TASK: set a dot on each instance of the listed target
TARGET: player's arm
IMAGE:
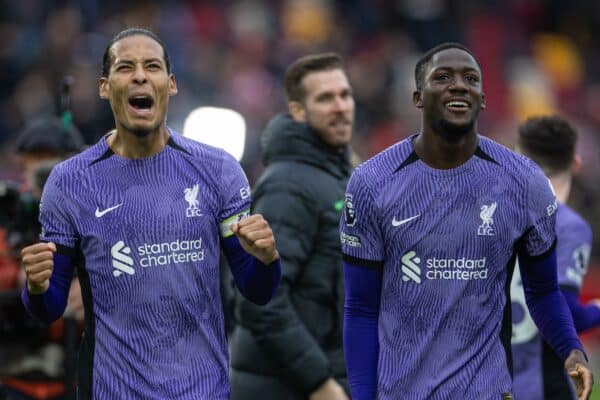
(246, 240)
(573, 256)
(585, 316)
(249, 247)
(538, 265)
(361, 313)
(277, 327)
(552, 316)
(49, 265)
(49, 274)
(546, 304)
(362, 246)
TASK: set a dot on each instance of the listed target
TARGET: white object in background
(219, 127)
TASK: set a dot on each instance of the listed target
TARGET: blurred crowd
(538, 57)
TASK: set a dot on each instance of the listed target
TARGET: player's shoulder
(384, 164)
(568, 219)
(505, 157)
(510, 162)
(79, 162)
(195, 149)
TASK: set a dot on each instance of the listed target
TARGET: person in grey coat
(292, 348)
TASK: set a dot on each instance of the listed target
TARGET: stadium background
(538, 57)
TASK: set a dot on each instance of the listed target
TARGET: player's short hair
(424, 61)
(549, 141)
(107, 58)
(296, 72)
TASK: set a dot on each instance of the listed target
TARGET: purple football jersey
(446, 240)
(574, 238)
(148, 234)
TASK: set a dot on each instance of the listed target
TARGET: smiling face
(138, 85)
(328, 106)
(451, 96)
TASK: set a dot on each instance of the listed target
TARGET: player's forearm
(50, 305)
(547, 305)
(584, 316)
(361, 343)
(255, 280)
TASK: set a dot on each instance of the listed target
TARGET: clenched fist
(38, 261)
(256, 237)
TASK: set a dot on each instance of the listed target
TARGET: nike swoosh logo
(109, 209)
(395, 222)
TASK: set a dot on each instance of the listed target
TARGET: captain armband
(226, 224)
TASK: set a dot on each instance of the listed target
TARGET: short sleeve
(56, 220)
(573, 248)
(236, 195)
(541, 206)
(360, 232)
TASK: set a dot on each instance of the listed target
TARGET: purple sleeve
(546, 303)
(235, 190)
(541, 209)
(361, 233)
(50, 306)
(361, 313)
(573, 248)
(56, 215)
(584, 316)
(255, 280)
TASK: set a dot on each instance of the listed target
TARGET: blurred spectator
(45, 139)
(30, 350)
(540, 56)
(291, 348)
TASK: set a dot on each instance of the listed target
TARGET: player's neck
(439, 152)
(561, 183)
(128, 145)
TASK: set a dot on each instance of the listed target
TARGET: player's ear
(297, 111)
(417, 99)
(103, 88)
(576, 164)
(172, 90)
(483, 101)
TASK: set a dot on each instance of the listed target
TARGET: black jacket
(296, 339)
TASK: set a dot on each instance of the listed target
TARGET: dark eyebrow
(471, 69)
(463, 70)
(130, 62)
(150, 60)
(466, 68)
(324, 95)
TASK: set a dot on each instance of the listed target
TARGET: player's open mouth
(457, 105)
(141, 104)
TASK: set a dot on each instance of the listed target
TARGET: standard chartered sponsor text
(456, 268)
(175, 252)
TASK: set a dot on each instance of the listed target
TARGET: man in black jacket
(292, 348)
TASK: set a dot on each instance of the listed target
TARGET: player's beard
(141, 133)
(455, 131)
